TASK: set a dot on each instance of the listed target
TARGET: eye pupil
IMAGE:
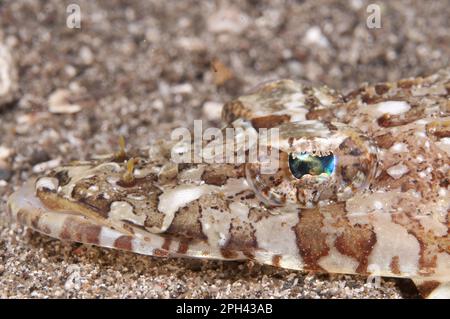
(303, 163)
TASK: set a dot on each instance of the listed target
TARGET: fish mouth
(46, 212)
(24, 207)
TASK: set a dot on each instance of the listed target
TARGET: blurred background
(142, 68)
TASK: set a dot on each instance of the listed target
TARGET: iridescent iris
(303, 163)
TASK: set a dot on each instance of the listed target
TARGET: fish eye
(318, 165)
(303, 163)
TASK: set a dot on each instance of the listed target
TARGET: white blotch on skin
(140, 173)
(173, 199)
(378, 205)
(341, 113)
(432, 224)
(234, 186)
(397, 171)
(335, 261)
(416, 194)
(136, 197)
(192, 174)
(324, 99)
(393, 240)
(420, 159)
(114, 167)
(107, 237)
(47, 182)
(444, 144)
(422, 121)
(285, 243)
(399, 148)
(442, 192)
(298, 114)
(215, 226)
(393, 107)
(93, 188)
(239, 210)
(296, 100)
(112, 180)
(222, 239)
(124, 211)
(420, 134)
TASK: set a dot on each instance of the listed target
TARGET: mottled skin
(384, 210)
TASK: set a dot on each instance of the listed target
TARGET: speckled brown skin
(384, 210)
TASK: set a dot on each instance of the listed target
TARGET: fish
(350, 184)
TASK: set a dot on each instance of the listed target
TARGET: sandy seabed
(140, 69)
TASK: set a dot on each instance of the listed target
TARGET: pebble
(70, 70)
(192, 44)
(228, 20)
(72, 268)
(314, 36)
(86, 55)
(42, 167)
(4, 152)
(397, 171)
(59, 103)
(295, 67)
(212, 110)
(184, 88)
(73, 282)
(9, 82)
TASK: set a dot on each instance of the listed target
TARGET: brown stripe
(382, 88)
(249, 254)
(124, 242)
(428, 242)
(242, 237)
(183, 247)
(166, 244)
(160, 252)
(357, 242)
(276, 259)
(395, 265)
(78, 231)
(91, 234)
(270, 121)
(229, 254)
(311, 240)
(65, 231)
